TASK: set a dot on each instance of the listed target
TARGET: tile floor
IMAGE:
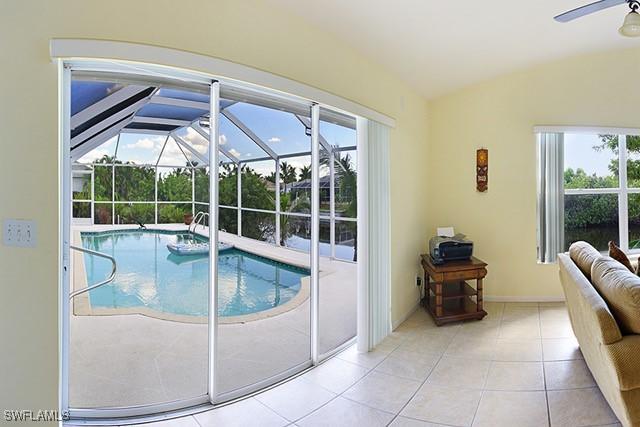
(520, 366)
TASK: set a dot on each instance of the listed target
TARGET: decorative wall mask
(482, 170)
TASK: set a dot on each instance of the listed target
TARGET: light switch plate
(19, 233)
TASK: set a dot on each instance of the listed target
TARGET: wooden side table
(447, 295)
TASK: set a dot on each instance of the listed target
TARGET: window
(82, 191)
(597, 177)
(591, 189)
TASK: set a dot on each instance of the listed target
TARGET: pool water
(148, 275)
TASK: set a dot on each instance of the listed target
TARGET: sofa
(602, 297)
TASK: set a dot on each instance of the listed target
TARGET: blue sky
(281, 130)
(139, 149)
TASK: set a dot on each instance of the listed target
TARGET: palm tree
(271, 177)
(305, 173)
(288, 174)
(347, 178)
(106, 159)
(226, 170)
(288, 205)
(245, 168)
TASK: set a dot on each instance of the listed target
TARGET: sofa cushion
(616, 253)
(620, 288)
(583, 254)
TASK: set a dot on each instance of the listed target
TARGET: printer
(455, 248)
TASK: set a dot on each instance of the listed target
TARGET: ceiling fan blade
(588, 9)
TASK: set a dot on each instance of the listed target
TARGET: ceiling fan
(630, 26)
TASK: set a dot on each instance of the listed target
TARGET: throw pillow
(616, 253)
(621, 291)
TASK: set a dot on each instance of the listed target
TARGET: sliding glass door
(210, 230)
(263, 287)
(337, 195)
(137, 340)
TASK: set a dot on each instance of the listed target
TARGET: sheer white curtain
(374, 237)
(550, 196)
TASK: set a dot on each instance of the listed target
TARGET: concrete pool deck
(135, 359)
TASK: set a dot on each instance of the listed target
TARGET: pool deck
(137, 359)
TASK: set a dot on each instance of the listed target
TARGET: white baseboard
(400, 321)
(490, 298)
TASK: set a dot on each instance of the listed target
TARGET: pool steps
(195, 248)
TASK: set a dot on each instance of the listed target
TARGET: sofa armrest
(590, 315)
(625, 362)
(607, 326)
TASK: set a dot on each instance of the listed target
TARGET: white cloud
(274, 139)
(172, 155)
(94, 155)
(298, 163)
(105, 149)
(223, 139)
(195, 140)
(235, 152)
(148, 143)
(191, 134)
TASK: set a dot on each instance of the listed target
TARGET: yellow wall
(595, 90)
(247, 32)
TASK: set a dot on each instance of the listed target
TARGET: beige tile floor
(520, 366)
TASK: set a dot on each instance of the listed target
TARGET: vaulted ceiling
(437, 46)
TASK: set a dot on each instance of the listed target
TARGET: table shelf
(461, 309)
(458, 290)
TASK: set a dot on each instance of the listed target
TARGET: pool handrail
(97, 285)
(195, 222)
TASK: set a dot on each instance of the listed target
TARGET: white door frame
(214, 139)
(64, 229)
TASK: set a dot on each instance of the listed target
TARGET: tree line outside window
(127, 193)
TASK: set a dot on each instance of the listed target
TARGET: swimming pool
(150, 277)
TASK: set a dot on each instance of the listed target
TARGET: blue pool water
(150, 276)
